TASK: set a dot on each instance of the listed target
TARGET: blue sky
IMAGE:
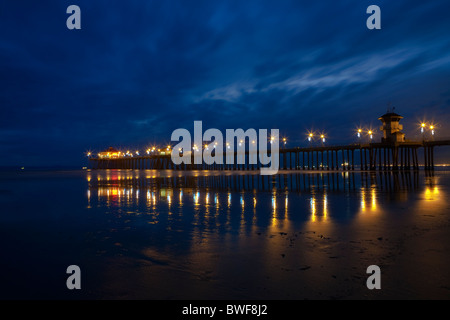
(137, 70)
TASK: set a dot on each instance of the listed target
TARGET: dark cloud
(137, 70)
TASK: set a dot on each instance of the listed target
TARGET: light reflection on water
(201, 204)
(211, 193)
(209, 235)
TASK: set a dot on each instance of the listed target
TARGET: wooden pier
(373, 156)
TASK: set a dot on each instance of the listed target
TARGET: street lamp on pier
(322, 137)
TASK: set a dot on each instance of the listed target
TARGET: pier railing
(371, 156)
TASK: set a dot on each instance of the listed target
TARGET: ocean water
(163, 235)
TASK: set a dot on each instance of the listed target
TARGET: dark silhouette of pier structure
(394, 152)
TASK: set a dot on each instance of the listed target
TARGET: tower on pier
(392, 129)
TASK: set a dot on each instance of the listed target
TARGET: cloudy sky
(137, 70)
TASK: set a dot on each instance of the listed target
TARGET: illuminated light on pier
(422, 127)
(393, 152)
(110, 153)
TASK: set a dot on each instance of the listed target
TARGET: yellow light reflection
(286, 201)
(374, 199)
(431, 193)
(313, 209)
(274, 209)
(196, 198)
(149, 198)
(89, 198)
(363, 199)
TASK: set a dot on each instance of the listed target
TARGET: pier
(373, 156)
(394, 152)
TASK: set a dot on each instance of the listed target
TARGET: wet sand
(315, 263)
(134, 241)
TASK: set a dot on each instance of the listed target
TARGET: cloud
(140, 69)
